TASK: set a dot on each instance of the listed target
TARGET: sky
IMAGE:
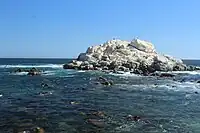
(65, 28)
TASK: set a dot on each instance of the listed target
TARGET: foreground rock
(137, 56)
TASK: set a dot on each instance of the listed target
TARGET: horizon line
(68, 58)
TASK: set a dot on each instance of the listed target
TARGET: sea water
(71, 97)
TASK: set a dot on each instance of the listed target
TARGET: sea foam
(30, 66)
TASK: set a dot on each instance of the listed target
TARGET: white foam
(125, 74)
(81, 71)
(20, 73)
(174, 86)
(30, 66)
(186, 72)
(185, 87)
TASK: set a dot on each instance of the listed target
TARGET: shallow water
(66, 105)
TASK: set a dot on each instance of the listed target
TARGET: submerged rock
(100, 114)
(105, 81)
(96, 122)
(31, 130)
(74, 103)
(44, 85)
(39, 130)
(133, 118)
(18, 70)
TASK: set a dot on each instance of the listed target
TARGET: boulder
(69, 66)
(104, 58)
(167, 75)
(87, 67)
(18, 70)
(105, 81)
(192, 68)
(180, 67)
(114, 64)
(33, 71)
(104, 63)
(73, 65)
(133, 118)
(137, 56)
(131, 65)
(142, 46)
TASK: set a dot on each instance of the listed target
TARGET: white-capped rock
(137, 54)
(143, 45)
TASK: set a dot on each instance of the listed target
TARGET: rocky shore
(137, 56)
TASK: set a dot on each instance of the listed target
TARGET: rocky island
(136, 56)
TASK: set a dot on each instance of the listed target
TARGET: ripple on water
(68, 103)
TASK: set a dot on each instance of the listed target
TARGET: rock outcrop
(33, 71)
(137, 56)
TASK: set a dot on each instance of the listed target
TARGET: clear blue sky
(64, 28)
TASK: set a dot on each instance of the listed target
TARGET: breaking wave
(30, 66)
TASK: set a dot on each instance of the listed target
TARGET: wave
(184, 72)
(20, 73)
(125, 74)
(30, 66)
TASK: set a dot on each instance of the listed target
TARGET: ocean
(74, 102)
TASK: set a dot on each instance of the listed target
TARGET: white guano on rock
(118, 55)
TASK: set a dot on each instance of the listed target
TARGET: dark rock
(122, 68)
(105, 58)
(154, 74)
(44, 85)
(143, 67)
(31, 130)
(146, 74)
(133, 118)
(179, 67)
(137, 71)
(87, 67)
(131, 65)
(192, 68)
(198, 81)
(18, 70)
(105, 68)
(33, 71)
(68, 66)
(102, 79)
(39, 130)
(100, 114)
(167, 75)
(196, 92)
(105, 81)
(97, 122)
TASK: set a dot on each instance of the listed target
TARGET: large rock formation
(136, 56)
